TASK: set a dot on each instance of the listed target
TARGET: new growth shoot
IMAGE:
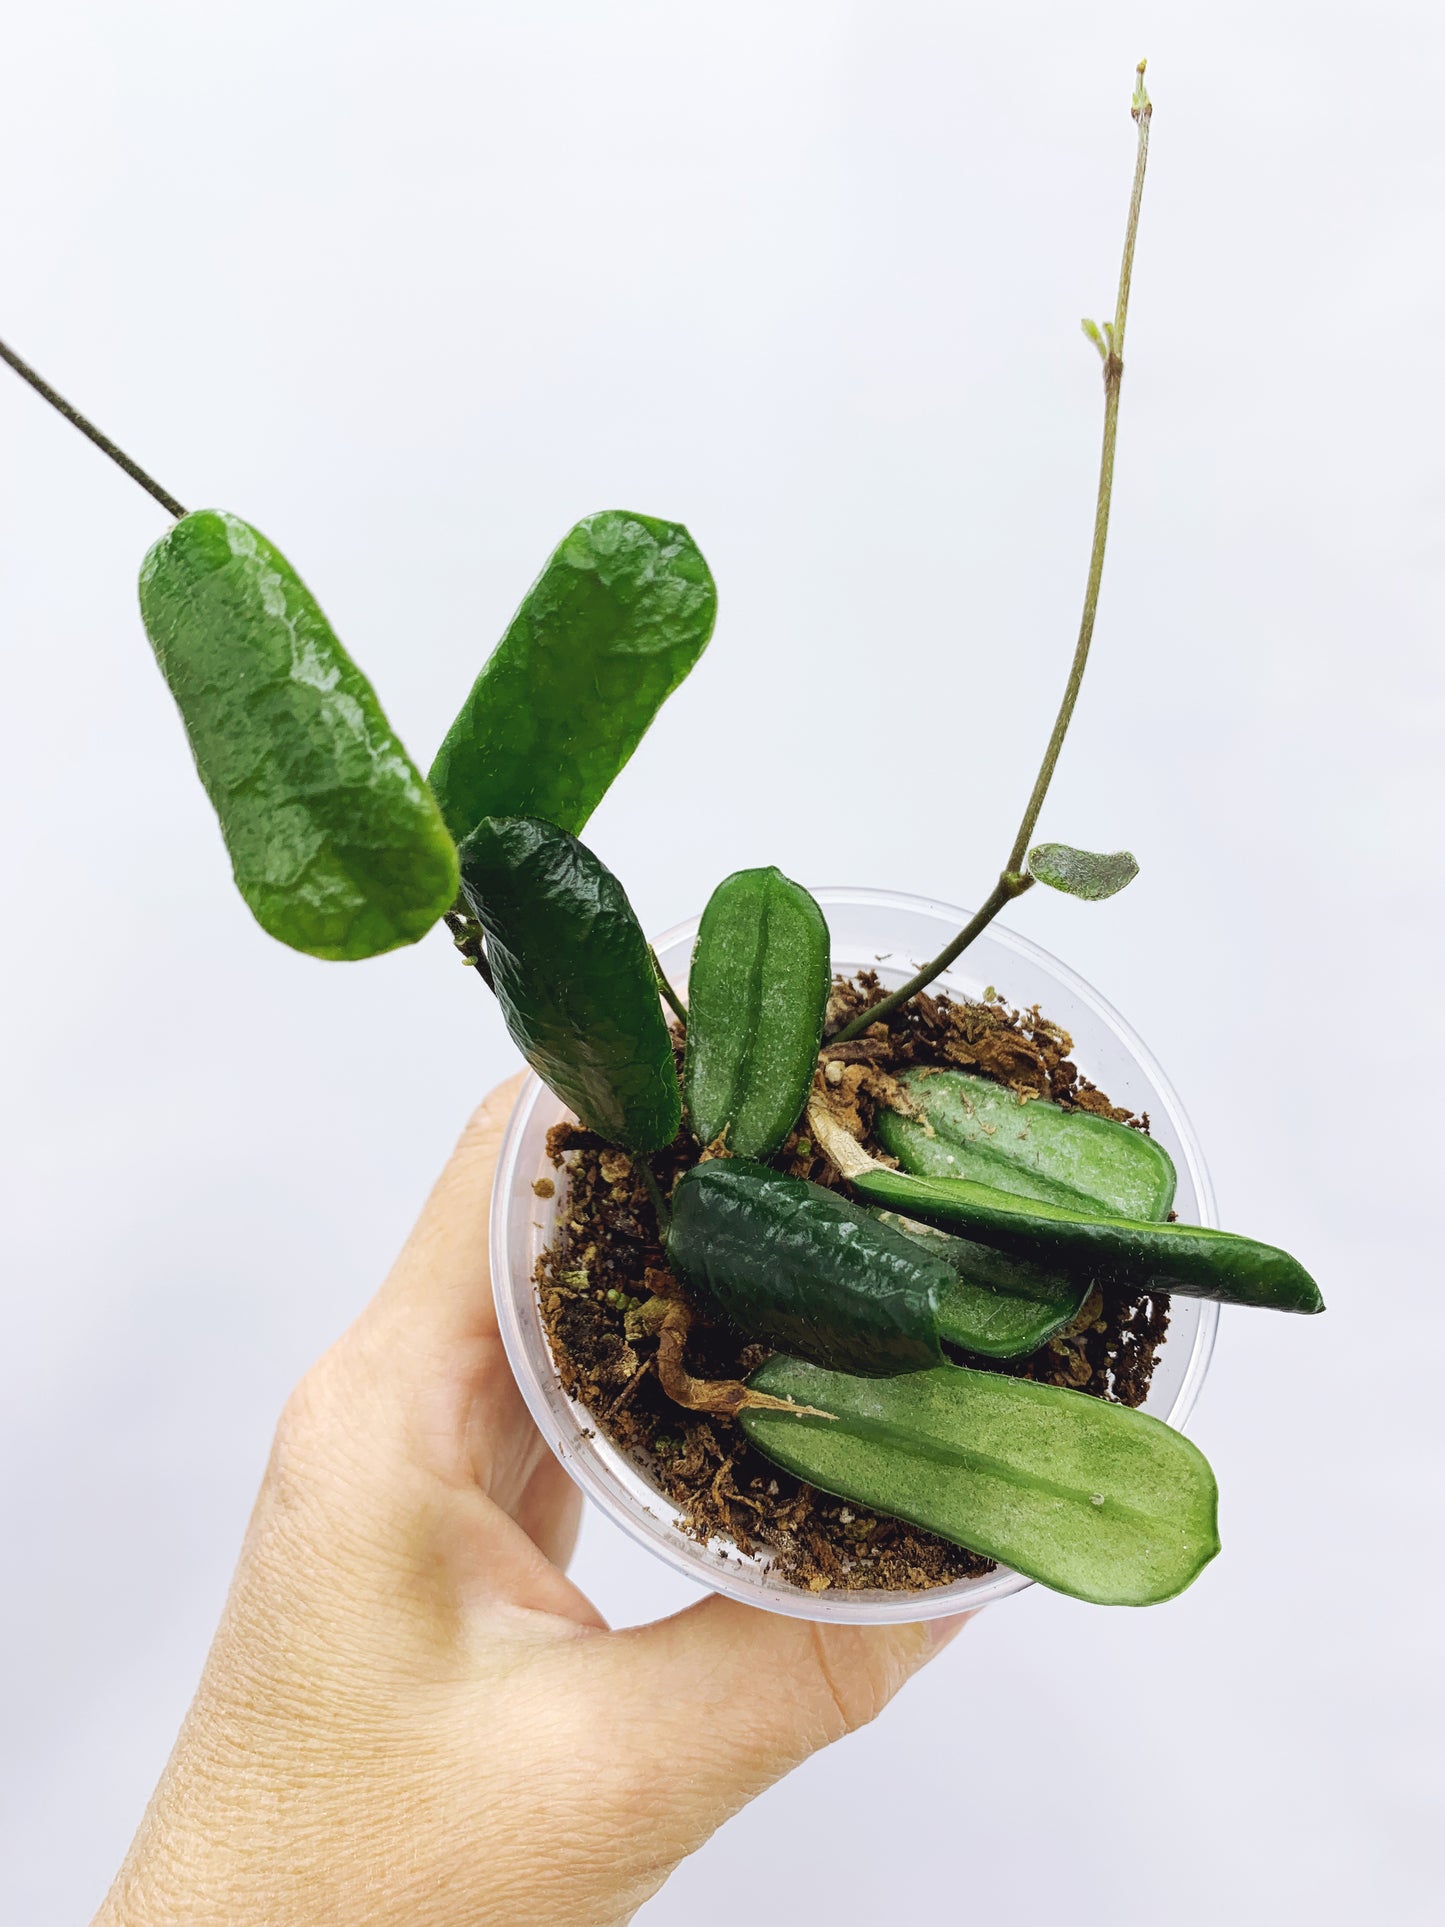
(1089, 875)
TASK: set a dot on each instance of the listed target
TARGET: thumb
(727, 1698)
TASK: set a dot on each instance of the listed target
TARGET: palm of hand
(410, 1714)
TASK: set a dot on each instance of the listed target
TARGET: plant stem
(467, 935)
(102, 442)
(654, 1191)
(1014, 879)
(679, 1008)
(1113, 357)
(1004, 891)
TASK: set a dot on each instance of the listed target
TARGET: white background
(414, 287)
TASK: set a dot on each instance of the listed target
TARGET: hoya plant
(881, 1310)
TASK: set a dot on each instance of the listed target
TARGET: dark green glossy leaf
(1186, 1258)
(996, 1306)
(573, 975)
(335, 841)
(1082, 873)
(1091, 1498)
(757, 992)
(793, 1264)
(971, 1127)
(616, 619)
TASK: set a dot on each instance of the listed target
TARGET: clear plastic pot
(870, 929)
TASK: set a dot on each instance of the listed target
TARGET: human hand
(410, 1716)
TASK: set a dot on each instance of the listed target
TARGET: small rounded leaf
(1082, 873)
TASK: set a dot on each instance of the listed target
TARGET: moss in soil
(595, 1273)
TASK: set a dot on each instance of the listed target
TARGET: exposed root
(668, 1319)
(837, 1143)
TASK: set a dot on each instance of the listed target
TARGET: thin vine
(88, 428)
(1014, 879)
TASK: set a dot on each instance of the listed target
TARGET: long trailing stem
(1111, 350)
(1014, 878)
(102, 442)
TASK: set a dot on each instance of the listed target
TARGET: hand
(410, 1717)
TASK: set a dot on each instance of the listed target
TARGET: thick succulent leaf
(616, 619)
(1088, 1497)
(335, 841)
(970, 1127)
(996, 1306)
(1082, 873)
(792, 1264)
(757, 993)
(574, 977)
(1186, 1258)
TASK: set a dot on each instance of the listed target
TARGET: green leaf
(336, 843)
(995, 1306)
(1186, 1258)
(971, 1127)
(757, 993)
(1091, 1498)
(1081, 873)
(574, 977)
(793, 1264)
(616, 619)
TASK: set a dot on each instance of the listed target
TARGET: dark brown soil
(595, 1274)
